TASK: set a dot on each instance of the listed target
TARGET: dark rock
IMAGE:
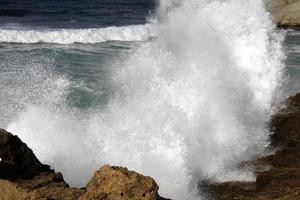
(278, 177)
(17, 160)
(281, 179)
(233, 190)
(24, 177)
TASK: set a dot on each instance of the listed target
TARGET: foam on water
(68, 36)
(185, 107)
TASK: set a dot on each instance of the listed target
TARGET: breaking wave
(188, 106)
(68, 36)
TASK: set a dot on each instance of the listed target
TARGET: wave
(186, 107)
(69, 36)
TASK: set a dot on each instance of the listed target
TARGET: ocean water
(292, 46)
(177, 90)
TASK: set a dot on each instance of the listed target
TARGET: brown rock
(24, 177)
(279, 177)
(118, 183)
(286, 13)
(233, 190)
(45, 186)
(282, 180)
(286, 128)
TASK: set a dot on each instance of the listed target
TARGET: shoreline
(277, 175)
(22, 176)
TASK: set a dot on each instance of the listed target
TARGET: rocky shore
(278, 175)
(24, 177)
(286, 13)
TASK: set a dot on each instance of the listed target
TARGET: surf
(185, 107)
(84, 36)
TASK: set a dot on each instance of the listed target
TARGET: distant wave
(68, 36)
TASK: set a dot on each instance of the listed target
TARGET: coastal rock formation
(46, 185)
(119, 183)
(17, 160)
(286, 13)
(281, 180)
(24, 177)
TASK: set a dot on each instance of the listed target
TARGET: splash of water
(187, 106)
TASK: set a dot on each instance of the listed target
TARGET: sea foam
(68, 36)
(185, 107)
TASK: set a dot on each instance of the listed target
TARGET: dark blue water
(73, 13)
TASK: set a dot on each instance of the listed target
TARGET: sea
(177, 90)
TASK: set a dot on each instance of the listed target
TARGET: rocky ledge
(286, 13)
(24, 177)
(281, 180)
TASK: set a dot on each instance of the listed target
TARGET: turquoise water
(26, 70)
(86, 67)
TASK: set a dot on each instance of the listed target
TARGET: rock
(279, 177)
(281, 180)
(286, 13)
(17, 160)
(119, 183)
(24, 177)
(286, 124)
(45, 186)
(233, 190)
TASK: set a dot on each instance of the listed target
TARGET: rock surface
(286, 13)
(282, 180)
(24, 177)
(45, 186)
(17, 160)
(119, 183)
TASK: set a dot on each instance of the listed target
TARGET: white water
(187, 106)
(68, 36)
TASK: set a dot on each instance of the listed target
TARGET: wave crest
(69, 36)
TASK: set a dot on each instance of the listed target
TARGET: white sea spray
(187, 106)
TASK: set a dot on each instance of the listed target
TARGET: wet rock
(233, 190)
(286, 124)
(17, 160)
(119, 183)
(24, 177)
(281, 179)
